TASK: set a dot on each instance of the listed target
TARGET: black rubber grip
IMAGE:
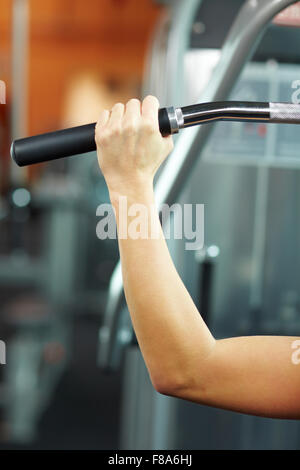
(164, 122)
(65, 143)
(54, 145)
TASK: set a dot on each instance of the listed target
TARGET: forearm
(171, 333)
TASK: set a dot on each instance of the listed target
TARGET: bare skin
(254, 375)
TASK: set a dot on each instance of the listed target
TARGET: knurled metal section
(285, 112)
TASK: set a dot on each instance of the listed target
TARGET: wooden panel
(105, 38)
(106, 19)
(72, 42)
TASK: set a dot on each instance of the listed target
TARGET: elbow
(184, 389)
(171, 386)
(192, 382)
(170, 389)
(192, 385)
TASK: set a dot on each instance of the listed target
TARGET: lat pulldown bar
(78, 140)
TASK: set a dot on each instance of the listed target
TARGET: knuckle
(116, 132)
(148, 127)
(112, 132)
(129, 128)
(107, 134)
(103, 138)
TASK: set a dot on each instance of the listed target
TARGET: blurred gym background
(62, 62)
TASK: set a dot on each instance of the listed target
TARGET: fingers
(103, 118)
(150, 107)
(116, 115)
(133, 109)
(101, 123)
(132, 116)
(129, 115)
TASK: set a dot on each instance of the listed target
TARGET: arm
(254, 375)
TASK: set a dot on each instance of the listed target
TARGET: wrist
(136, 191)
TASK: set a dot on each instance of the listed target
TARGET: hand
(130, 146)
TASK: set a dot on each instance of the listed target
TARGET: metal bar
(67, 142)
(155, 63)
(182, 19)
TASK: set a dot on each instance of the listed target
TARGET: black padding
(54, 145)
(164, 122)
